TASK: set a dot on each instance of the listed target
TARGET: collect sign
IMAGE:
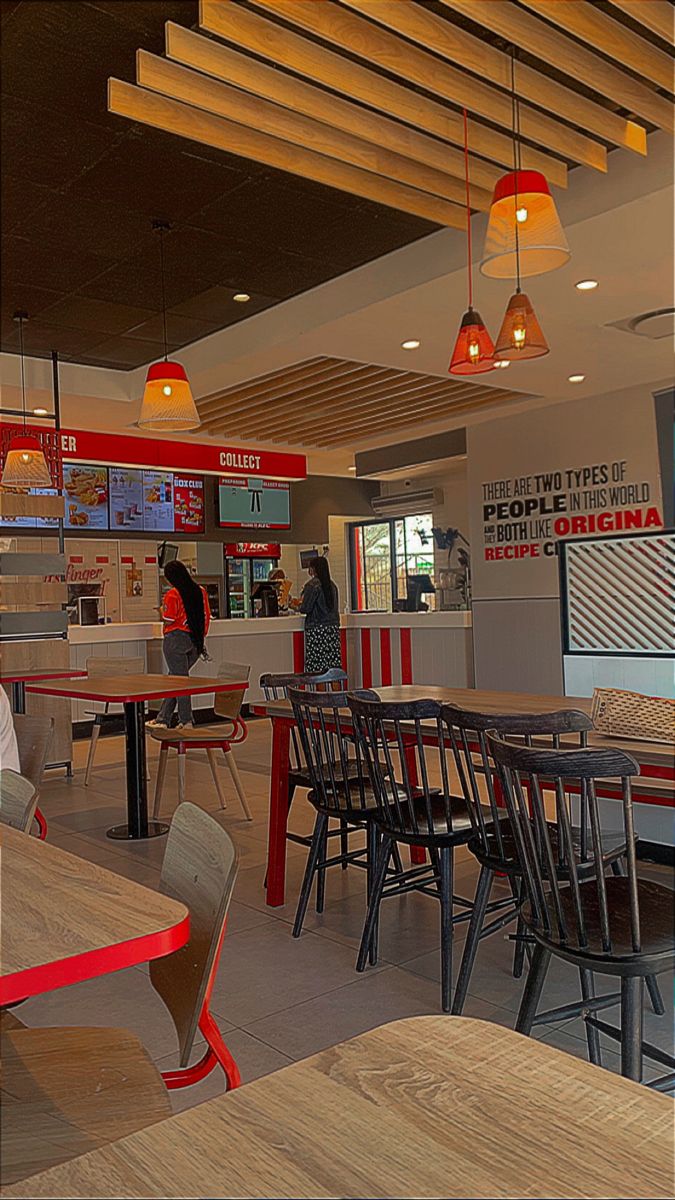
(120, 450)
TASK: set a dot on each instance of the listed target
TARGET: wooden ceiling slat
(333, 415)
(358, 35)
(214, 96)
(656, 15)
(292, 51)
(183, 120)
(365, 380)
(408, 420)
(275, 383)
(460, 47)
(602, 32)
(534, 36)
(403, 408)
(224, 63)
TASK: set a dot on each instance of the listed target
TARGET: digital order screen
(85, 489)
(247, 503)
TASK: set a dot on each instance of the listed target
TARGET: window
(384, 554)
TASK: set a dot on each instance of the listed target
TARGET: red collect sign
(121, 450)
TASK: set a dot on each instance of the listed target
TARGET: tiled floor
(278, 999)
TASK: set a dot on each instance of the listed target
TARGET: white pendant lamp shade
(523, 211)
(25, 464)
(168, 403)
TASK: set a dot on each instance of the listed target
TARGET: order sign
(188, 504)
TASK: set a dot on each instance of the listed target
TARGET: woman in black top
(320, 604)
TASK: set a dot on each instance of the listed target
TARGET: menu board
(244, 503)
(86, 494)
(188, 504)
(29, 522)
(126, 499)
(158, 502)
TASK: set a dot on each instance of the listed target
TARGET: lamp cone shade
(473, 353)
(522, 200)
(168, 403)
(25, 464)
(520, 336)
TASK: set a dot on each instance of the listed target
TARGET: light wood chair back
(34, 738)
(102, 665)
(18, 800)
(199, 869)
(228, 704)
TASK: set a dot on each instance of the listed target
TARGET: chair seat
(613, 846)
(68, 1090)
(656, 923)
(199, 733)
(417, 829)
(361, 805)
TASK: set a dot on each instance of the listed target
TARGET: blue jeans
(181, 655)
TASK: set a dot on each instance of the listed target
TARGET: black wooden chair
(617, 925)
(340, 787)
(404, 747)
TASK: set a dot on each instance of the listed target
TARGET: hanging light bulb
(522, 206)
(168, 403)
(25, 463)
(473, 353)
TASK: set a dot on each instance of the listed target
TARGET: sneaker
(187, 725)
(155, 724)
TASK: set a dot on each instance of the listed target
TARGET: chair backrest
(33, 738)
(199, 869)
(548, 852)
(466, 733)
(100, 665)
(337, 772)
(18, 800)
(228, 704)
(404, 748)
(275, 687)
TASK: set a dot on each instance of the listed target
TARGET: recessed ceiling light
(241, 297)
(576, 378)
(40, 412)
(586, 285)
(503, 362)
(410, 344)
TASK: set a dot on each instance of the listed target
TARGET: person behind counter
(283, 587)
(186, 615)
(320, 604)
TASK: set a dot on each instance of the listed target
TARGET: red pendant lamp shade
(167, 399)
(520, 336)
(473, 353)
(522, 202)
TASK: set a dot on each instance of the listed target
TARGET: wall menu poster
(158, 501)
(126, 499)
(28, 522)
(86, 491)
(254, 502)
(188, 503)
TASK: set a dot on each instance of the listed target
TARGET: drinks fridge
(244, 567)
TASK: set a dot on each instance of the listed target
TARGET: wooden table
(19, 678)
(132, 691)
(429, 1106)
(65, 920)
(657, 780)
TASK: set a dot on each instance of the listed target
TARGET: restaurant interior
(337, 718)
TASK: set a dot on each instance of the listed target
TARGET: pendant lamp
(25, 464)
(473, 353)
(523, 211)
(168, 403)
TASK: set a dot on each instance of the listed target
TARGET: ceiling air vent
(659, 323)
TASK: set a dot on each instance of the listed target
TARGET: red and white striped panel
(378, 657)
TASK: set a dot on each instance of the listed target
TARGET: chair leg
(651, 981)
(396, 857)
(213, 763)
(592, 1034)
(368, 947)
(92, 750)
(159, 785)
(181, 774)
(372, 847)
(631, 1027)
(446, 855)
(480, 904)
(344, 843)
(321, 873)
(239, 787)
(536, 978)
(315, 851)
(520, 944)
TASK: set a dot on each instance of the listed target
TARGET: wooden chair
(617, 925)
(231, 731)
(34, 738)
(97, 665)
(18, 800)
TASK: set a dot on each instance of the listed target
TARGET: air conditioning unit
(407, 504)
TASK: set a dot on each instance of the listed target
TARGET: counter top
(146, 631)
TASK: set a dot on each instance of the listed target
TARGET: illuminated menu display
(158, 502)
(188, 504)
(86, 495)
(246, 503)
(126, 499)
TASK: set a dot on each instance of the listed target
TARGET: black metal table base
(122, 833)
(137, 827)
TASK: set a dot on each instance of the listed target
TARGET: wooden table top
(65, 919)
(130, 688)
(652, 753)
(429, 1106)
(24, 674)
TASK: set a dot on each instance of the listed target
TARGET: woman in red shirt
(186, 616)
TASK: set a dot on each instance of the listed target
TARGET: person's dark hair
(177, 574)
(321, 569)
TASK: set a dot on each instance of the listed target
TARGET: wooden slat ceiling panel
(337, 402)
(656, 15)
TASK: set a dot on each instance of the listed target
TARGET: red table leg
(278, 818)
